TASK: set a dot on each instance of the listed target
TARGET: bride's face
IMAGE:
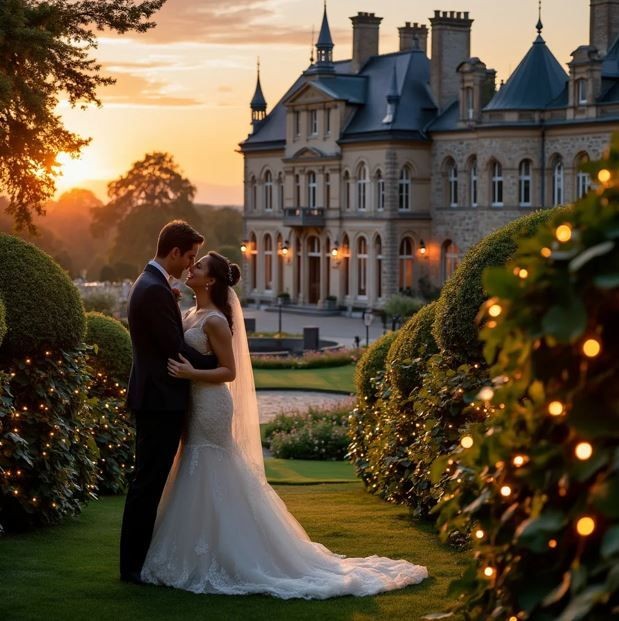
(198, 276)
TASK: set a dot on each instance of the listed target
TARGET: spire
(324, 45)
(258, 102)
(393, 98)
(540, 25)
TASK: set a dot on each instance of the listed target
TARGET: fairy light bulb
(585, 526)
(486, 393)
(583, 451)
(552, 544)
(591, 348)
(604, 176)
(519, 461)
(495, 310)
(489, 572)
(479, 534)
(506, 491)
(555, 408)
(546, 252)
(523, 274)
(564, 233)
(467, 442)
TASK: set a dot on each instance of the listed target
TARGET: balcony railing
(304, 216)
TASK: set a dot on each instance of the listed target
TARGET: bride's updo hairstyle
(226, 274)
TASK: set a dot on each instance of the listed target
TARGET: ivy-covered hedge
(3, 327)
(43, 307)
(454, 328)
(371, 366)
(543, 508)
(112, 346)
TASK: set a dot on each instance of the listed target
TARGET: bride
(221, 528)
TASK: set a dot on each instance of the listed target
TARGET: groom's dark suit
(159, 403)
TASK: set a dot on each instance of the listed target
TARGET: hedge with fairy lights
(542, 503)
(110, 364)
(47, 450)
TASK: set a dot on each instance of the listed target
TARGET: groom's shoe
(133, 577)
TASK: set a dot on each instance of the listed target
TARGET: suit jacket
(156, 330)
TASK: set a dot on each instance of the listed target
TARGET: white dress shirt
(162, 269)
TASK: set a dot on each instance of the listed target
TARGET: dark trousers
(157, 438)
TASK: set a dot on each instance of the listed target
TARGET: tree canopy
(45, 51)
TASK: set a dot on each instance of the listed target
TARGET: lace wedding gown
(222, 529)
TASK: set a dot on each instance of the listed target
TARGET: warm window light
(506, 490)
(591, 348)
(555, 408)
(583, 451)
(546, 252)
(604, 176)
(564, 233)
(495, 310)
(585, 526)
(467, 442)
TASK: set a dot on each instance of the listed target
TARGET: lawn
(303, 472)
(339, 379)
(69, 572)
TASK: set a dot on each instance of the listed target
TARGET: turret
(258, 104)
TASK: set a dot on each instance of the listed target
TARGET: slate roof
(258, 101)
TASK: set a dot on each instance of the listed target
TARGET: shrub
(43, 307)
(2, 322)
(545, 472)
(112, 346)
(371, 366)
(454, 328)
(309, 360)
(100, 302)
(402, 306)
(317, 435)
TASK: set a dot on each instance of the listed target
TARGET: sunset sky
(185, 86)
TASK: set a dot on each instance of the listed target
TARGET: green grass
(303, 472)
(334, 378)
(69, 573)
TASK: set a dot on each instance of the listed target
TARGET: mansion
(378, 172)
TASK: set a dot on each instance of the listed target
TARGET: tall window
(497, 185)
(406, 260)
(253, 194)
(313, 122)
(581, 91)
(362, 266)
(268, 191)
(253, 267)
(524, 183)
(380, 191)
(312, 189)
(268, 262)
(452, 181)
(327, 190)
(297, 122)
(470, 104)
(583, 180)
(379, 267)
(280, 190)
(347, 188)
(362, 188)
(473, 182)
(404, 190)
(328, 121)
(297, 191)
(557, 182)
(450, 259)
(346, 264)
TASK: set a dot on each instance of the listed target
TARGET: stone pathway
(274, 402)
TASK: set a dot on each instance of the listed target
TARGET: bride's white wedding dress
(222, 529)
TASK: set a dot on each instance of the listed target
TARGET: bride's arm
(220, 340)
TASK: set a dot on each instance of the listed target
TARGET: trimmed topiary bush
(371, 366)
(112, 346)
(3, 327)
(455, 330)
(43, 307)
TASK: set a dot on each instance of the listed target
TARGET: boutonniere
(177, 293)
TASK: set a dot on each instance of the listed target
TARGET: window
(473, 182)
(452, 180)
(380, 191)
(379, 267)
(404, 190)
(297, 123)
(327, 190)
(362, 185)
(497, 185)
(347, 191)
(557, 183)
(450, 259)
(280, 191)
(362, 266)
(328, 121)
(268, 191)
(581, 91)
(470, 105)
(346, 264)
(406, 263)
(524, 183)
(253, 267)
(297, 191)
(313, 122)
(312, 188)
(268, 262)
(583, 180)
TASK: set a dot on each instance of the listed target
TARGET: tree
(45, 50)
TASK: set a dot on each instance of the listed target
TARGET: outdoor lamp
(422, 247)
(244, 246)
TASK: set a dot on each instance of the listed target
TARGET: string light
(467, 442)
(583, 451)
(604, 176)
(486, 393)
(555, 408)
(495, 310)
(591, 348)
(564, 233)
(585, 526)
(523, 274)
(552, 544)
(506, 491)
(489, 572)
(479, 534)
(519, 460)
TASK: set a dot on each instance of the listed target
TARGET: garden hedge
(2, 322)
(113, 353)
(371, 365)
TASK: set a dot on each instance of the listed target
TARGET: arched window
(583, 180)
(268, 191)
(362, 266)
(253, 197)
(557, 182)
(327, 190)
(297, 190)
(404, 189)
(362, 185)
(406, 260)
(450, 259)
(379, 266)
(268, 262)
(280, 264)
(346, 264)
(312, 189)
(253, 256)
(452, 184)
(524, 183)
(347, 188)
(473, 180)
(497, 184)
(280, 191)
(380, 191)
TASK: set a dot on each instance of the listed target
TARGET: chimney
(365, 28)
(413, 36)
(604, 24)
(451, 45)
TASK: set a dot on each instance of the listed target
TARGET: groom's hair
(177, 234)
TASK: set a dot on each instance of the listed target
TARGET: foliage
(462, 295)
(100, 302)
(45, 309)
(47, 450)
(319, 434)
(46, 47)
(402, 306)
(371, 366)
(547, 466)
(112, 346)
(309, 360)
(3, 327)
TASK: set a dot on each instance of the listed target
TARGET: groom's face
(182, 261)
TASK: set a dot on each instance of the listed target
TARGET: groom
(157, 400)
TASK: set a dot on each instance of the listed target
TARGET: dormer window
(581, 91)
(313, 122)
(328, 121)
(470, 105)
(297, 123)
